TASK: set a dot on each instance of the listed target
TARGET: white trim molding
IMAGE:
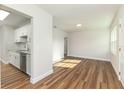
(122, 82)
(101, 59)
(35, 80)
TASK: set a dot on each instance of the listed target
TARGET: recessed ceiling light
(79, 25)
(3, 14)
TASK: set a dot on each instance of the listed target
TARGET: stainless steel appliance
(23, 61)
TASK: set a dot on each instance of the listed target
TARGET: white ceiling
(15, 20)
(91, 16)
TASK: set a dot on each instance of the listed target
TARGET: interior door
(121, 49)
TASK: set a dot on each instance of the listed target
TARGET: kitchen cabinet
(11, 58)
(18, 36)
(14, 59)
(22, 33)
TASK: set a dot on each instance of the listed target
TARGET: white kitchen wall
(58, 44)
(92, 44)
(7, 40)
(41, 55)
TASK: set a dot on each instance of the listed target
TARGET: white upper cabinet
(18, 36)
(22, 33)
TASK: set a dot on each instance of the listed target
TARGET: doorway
(16, 30)
(65, 47)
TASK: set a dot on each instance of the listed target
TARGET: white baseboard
(117, 73)
(108, 60)
(36, 79)
(122, 82)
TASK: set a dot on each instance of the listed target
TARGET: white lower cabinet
(11, 58)
(17, 60)
(14, 59)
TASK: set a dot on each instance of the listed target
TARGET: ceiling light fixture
(3, 14)
(79, 25)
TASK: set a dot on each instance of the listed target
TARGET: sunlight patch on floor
(72, 61)
(65, 65)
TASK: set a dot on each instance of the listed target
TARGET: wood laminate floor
(71, 73)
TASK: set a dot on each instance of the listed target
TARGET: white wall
(41, 55)
(58, 44)
(92, 44)
(7, 40)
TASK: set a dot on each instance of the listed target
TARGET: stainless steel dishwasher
(23, 58)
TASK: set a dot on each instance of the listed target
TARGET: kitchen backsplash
(19, 46)
(22, 46)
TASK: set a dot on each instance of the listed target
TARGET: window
(114, 40)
